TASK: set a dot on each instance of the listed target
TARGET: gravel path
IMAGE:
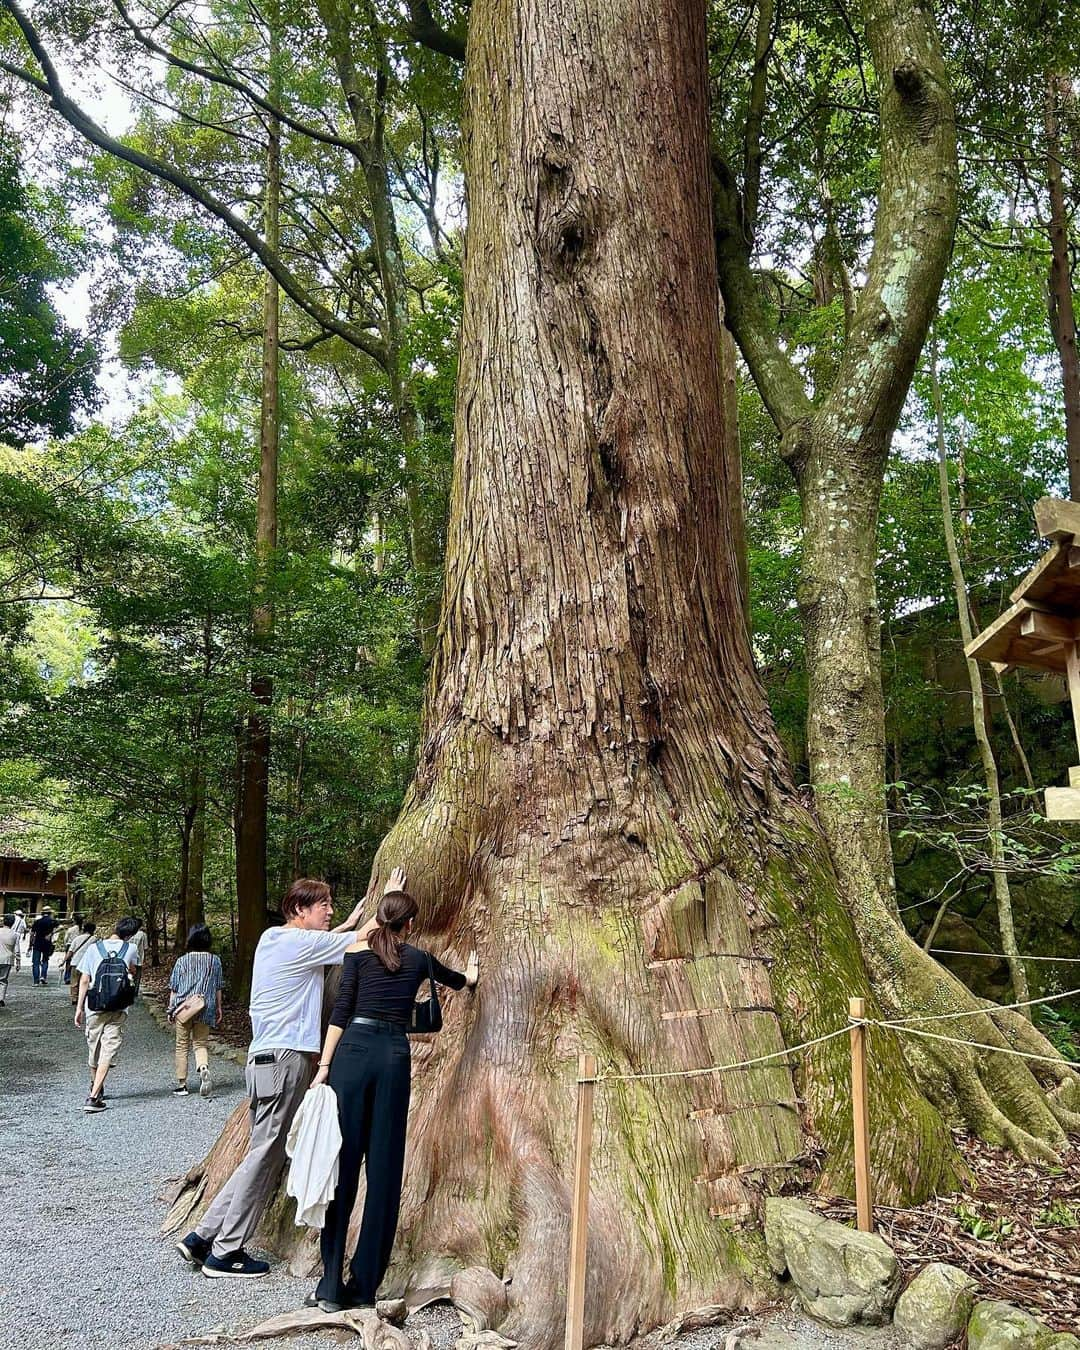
(83, 1206)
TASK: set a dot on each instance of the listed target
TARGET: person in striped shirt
(198, 971)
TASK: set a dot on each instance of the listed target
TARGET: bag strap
(431, 977)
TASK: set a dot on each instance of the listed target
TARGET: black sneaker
(236, 1266)
(94, 1104)
(180, 1090)
(194, 1249)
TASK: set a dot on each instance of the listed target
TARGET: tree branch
(422, 27)
(230, 82)
(190, 187)
(914, 224)
(779, 383)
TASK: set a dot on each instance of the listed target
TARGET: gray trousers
(275, 1092)
(5, 971)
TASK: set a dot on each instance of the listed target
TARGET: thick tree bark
(601, 804)
(251, 833)
(1060, 291)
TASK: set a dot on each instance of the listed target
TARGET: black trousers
(370, 1074)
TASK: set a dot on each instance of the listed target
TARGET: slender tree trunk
(601, 804)
(368, 110)
(1060, 293)
(251, 835)
(995, 823)
(194, 904)
(180, 932)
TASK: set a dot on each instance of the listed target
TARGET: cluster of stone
(846, 1278)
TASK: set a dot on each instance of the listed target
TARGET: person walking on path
(9, 945)
(286, 1022)
(196, 977)
(41, 944)
(139, 942)
(20, 932)
(75, 947)
(73, 930)
(106, 991)
(366, 1060)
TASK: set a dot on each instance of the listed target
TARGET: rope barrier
(1059, 1060)
(1002, 956)
(989, 1009)
(715, 1068)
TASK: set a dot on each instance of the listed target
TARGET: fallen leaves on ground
(1015, 1229)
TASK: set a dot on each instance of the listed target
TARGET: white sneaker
(205, 1084)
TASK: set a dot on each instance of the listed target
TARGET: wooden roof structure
(1041, 628)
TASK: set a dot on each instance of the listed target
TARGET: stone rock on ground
(1000, 1326)
(934, 1309)
(841, 1276)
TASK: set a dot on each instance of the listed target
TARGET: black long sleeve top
(368, 989)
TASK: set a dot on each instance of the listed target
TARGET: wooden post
(860, 1115)
(1072, 668)
(579, 1212)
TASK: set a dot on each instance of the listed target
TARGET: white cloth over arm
(314, 1145)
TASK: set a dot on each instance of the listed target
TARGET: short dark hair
(89, 926)
(9, 920)
(199, 938)
(127, 928)
(303, 894)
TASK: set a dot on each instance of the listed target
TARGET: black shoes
(93, 1105)
(194, 1249)
(237, 1266)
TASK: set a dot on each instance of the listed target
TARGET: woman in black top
(366, 1061)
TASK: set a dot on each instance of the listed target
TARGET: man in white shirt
(286, 1022)
(104, 1028)
(20, 932)
(139, 942)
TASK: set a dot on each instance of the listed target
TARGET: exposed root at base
(374, 1333)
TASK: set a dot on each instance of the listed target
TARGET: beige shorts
(104, 1037)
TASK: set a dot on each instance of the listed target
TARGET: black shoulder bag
(427, 1017)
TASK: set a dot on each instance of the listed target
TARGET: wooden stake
(860, 1116)
(579, 1212)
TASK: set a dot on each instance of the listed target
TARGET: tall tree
(254, 787)
(837, 446)
(600, 803)
(1060, 281)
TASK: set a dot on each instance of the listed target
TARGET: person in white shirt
(286, 1021)
(139, 942)
(104, 1028)
(20, 933)
(9, 945)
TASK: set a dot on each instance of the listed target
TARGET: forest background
(226, 402)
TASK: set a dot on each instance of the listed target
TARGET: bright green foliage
(48, 370)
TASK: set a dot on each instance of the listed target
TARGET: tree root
(1027, 1106)
(375, 1334)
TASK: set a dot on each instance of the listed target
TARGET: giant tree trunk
(601, 804)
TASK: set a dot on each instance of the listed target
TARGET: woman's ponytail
(395, 910)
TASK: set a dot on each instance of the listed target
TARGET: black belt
(379, 1022)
